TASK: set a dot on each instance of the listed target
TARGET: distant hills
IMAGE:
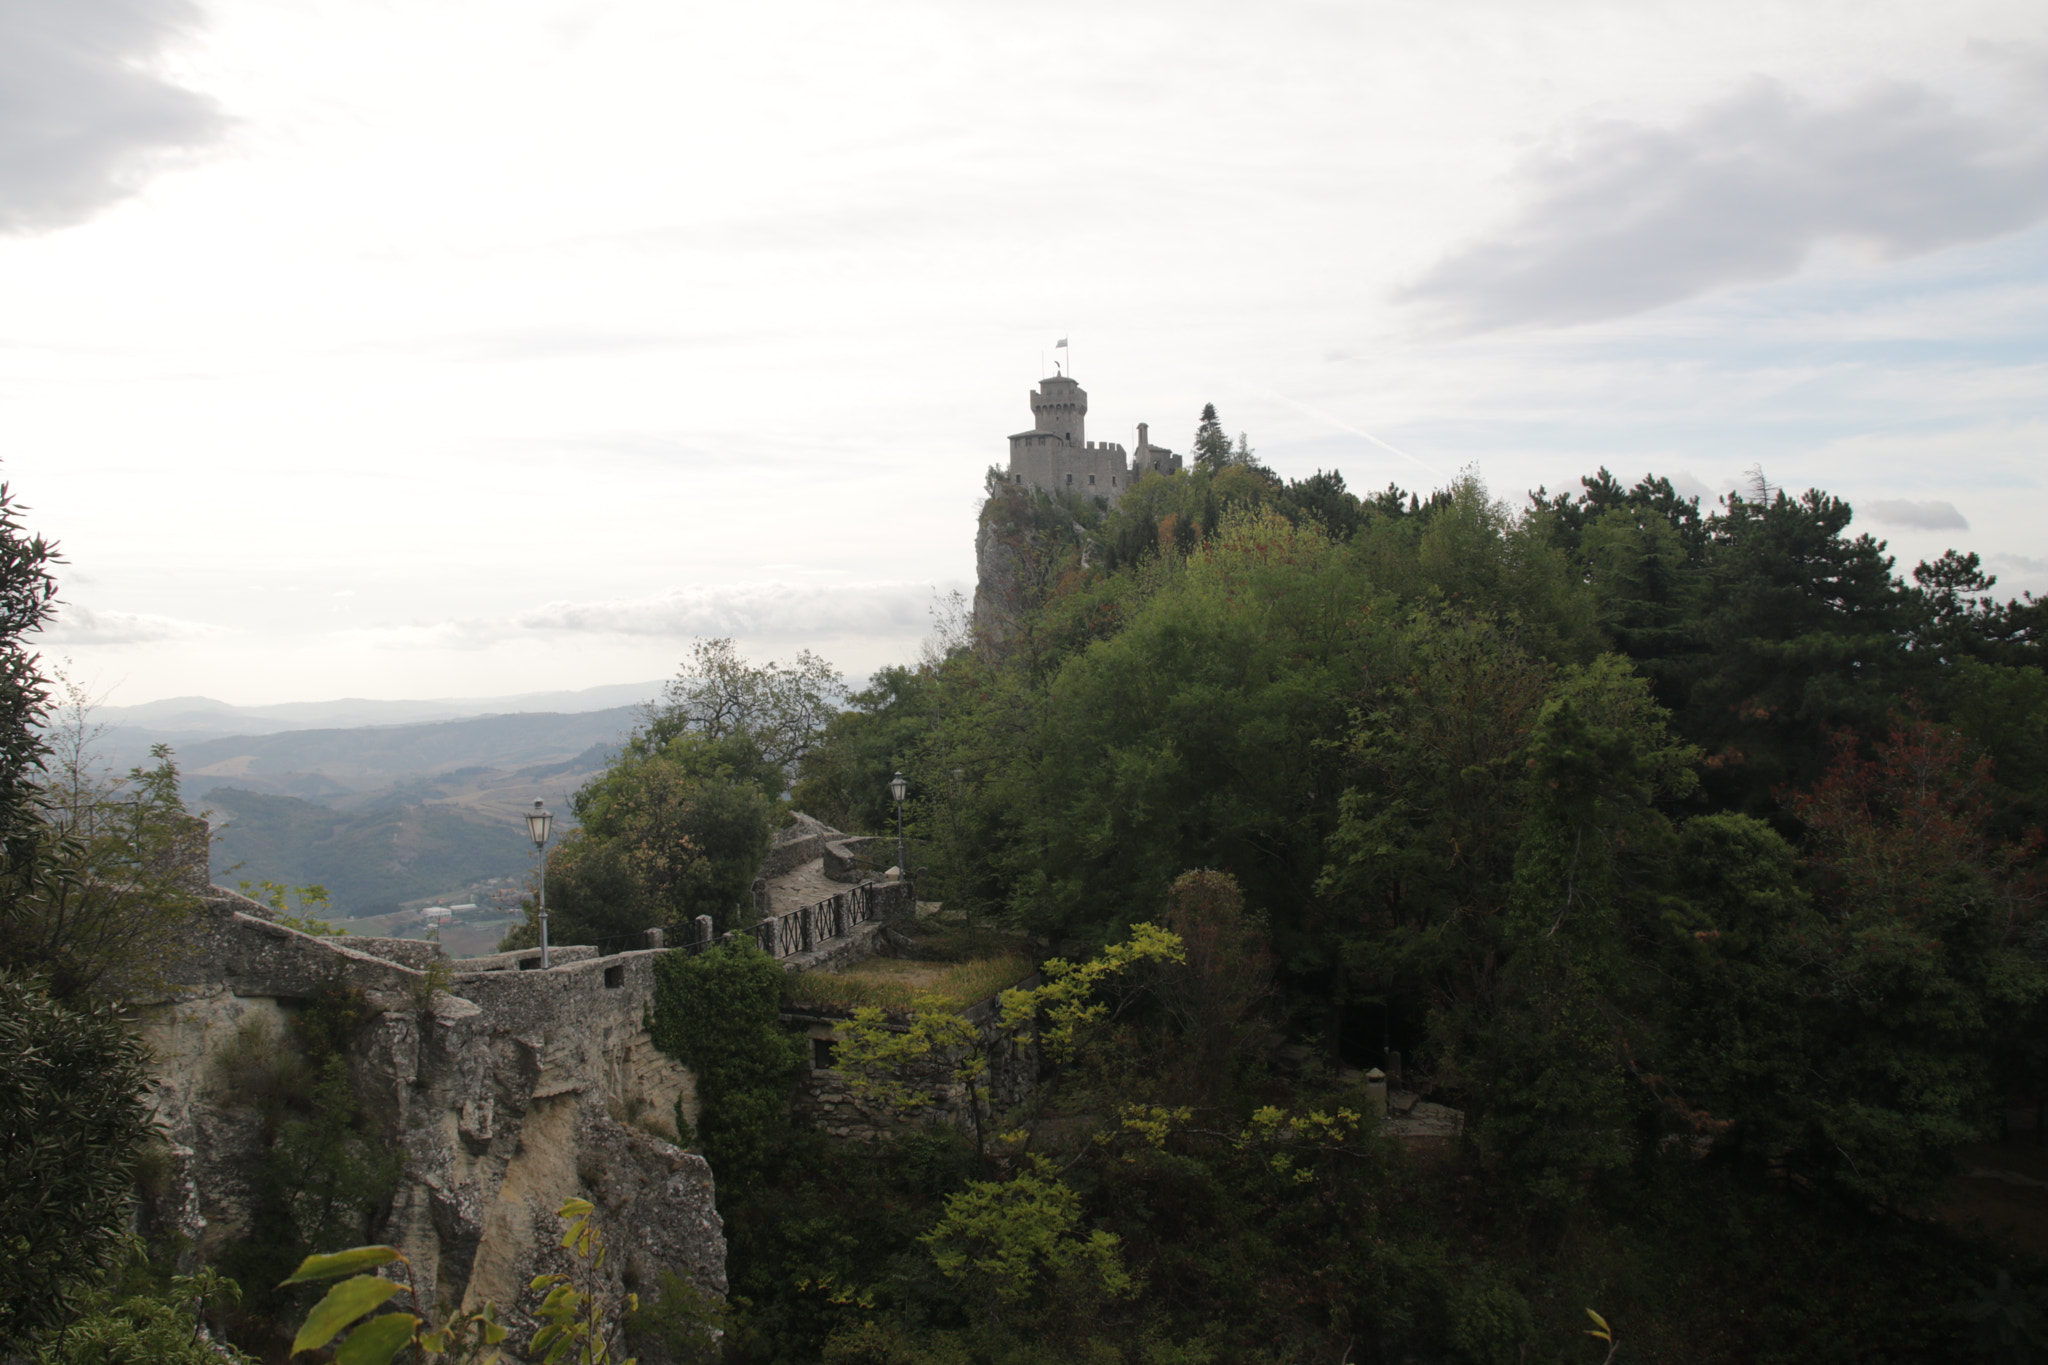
(185, 721)
(383, 803)
(373, 758)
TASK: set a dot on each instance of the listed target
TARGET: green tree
(28, 597)
(147, 1326)
(782, 708)
(844, 781)
(1804, 630)
(1189, 737)
(1021, 1246)
(73, 1116)
(120, 868)
(1845, 1007)
(1211, 445)
(666, 834)
(719, 1012)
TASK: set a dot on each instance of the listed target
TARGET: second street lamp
(537, 821)
(899, 789)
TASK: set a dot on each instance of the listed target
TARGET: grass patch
(894, 983)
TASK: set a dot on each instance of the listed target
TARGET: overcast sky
(415, 348)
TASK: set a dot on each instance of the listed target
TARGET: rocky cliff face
(1025, 542)
(1000, 599)
(507, 1092)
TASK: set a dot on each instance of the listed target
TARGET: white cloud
(2025, 564)
(84, 120)
(1921, 516)
(753, 611)
(1630, 218)
(744, 609)
(80, 625)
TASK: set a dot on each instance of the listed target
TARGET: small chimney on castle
(1143, 442)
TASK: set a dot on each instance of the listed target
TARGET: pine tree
(1212, 446)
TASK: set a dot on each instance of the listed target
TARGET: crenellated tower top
(1059, 407)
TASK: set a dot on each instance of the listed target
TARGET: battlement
(1056, 454)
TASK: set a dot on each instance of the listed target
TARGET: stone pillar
(1376, 1092)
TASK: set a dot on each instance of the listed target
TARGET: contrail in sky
(1342, 425)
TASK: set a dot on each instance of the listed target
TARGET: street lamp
(899, 789)
(537, 821)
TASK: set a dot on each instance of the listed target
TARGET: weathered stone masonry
(509, 1090)
(508, 1093)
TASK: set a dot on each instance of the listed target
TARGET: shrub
(720, 1014)
(72, 1118)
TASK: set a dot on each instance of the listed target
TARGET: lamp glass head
(537, 821)
(898, 788)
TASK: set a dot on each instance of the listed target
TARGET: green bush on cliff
(720, 1014)
(72, 1118)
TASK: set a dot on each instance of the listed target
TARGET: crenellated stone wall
(796, 843)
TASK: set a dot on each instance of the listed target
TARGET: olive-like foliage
(73, 1118)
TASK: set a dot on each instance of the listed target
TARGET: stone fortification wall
(527, 959)
(798, 842)
(507, 1095)
(859, 944)
(856, 857)
(798, 932)
(416, 953)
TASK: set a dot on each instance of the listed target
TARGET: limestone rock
(512, 1094)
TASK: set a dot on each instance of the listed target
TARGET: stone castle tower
(1057, 454)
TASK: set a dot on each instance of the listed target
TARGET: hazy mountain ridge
(370, 860)
(195, 716)
(374, 757)
(380, 814)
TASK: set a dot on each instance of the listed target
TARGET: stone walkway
(806, 885)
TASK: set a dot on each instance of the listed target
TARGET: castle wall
(1093, 467)
(1056, 454)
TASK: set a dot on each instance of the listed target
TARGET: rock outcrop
(507, 1090)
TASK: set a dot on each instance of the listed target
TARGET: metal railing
(801, 930)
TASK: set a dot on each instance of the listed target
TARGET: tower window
(1091, 478)
(1070, 478)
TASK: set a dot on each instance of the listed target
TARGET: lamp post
(537, 821)
(899, 789)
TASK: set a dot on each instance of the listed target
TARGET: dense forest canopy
(1634, 826)
(1692, 854)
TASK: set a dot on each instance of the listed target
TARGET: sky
(424, 348)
